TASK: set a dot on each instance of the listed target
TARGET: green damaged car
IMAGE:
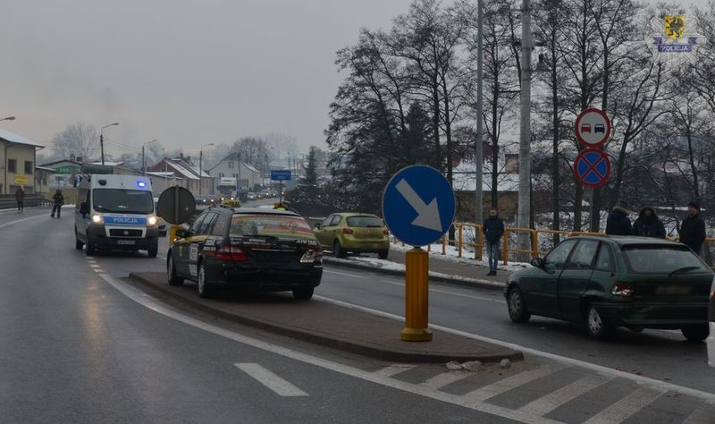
(609, 282)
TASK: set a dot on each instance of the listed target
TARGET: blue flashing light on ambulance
(116, 212)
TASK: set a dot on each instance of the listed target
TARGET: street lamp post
(143, 160)
(479, 144)
(101, 139)
(201, 169)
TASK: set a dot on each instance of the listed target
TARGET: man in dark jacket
(692, 230)
(58, 200)
(618, 223)
(20, 198)
(493, 230)
(648, 224)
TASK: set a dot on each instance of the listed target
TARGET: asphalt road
(78, 345)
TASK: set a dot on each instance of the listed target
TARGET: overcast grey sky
(185, 72)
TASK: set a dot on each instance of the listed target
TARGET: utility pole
(523, 214)
(479, 144)
(101, 138)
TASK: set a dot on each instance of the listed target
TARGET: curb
(462, 282)
(339, 343)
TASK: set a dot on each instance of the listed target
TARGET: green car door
(540, 287)
(575, 278)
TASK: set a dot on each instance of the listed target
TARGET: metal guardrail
(11, 203)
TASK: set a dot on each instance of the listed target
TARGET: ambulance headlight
(152, 220)
(97, 219)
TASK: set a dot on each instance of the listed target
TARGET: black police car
(253, 248)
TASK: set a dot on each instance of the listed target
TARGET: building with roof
(19, 158)
(232, 166)
(180, 171)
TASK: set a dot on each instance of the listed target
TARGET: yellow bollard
(172, 232)
(416, 296)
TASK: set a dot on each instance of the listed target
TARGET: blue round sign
(418, 205)
(592, 168)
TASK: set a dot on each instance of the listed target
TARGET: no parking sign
(592, 168)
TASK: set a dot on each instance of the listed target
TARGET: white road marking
(562, 396)
(393, 370)
(445, 378)
(7, 224)
(624, 408)
(152, 304)
(702, 415)
(271, 380)
(345, 274)
(95, 266)
(662, 385)
(504, 385)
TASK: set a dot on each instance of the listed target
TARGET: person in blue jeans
(493, 230)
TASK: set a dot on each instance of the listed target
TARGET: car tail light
(623, 289)
(386, 232)
(348, 231)
(312, 256)
(231, 254)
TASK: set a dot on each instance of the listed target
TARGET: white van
(116, 212)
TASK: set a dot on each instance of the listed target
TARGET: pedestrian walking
(692, 230)
(20, 198)
(648, 224)
(493, 230)
(618, 223)
(58, 200)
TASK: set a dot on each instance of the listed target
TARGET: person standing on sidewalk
(58, 200)
(648, 224)
(692, 230)
(618, 223)
(493, 230)
(20, 198)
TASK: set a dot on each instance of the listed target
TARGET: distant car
(711, 319)
(251, 196)
(204, 201)
(353, 232)
(250, 248)
(609, 282)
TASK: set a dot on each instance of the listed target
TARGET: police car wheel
(90, 247)
(205, 289)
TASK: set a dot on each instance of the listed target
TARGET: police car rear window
(280, 226)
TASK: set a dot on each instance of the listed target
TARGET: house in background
(19, 158)
(180, 171)
(233, 167)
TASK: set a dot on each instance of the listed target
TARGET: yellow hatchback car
(353, 232)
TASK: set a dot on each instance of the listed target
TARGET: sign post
(418, 206)
(280, 175)
(176, 205)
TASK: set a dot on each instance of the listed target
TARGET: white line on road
(147, 301)
(346, 274)
(445, 378)
(702, 415)
(564, 395)
(509, 383)
(663, 385)
(393, 370)
(7, 224)
(271, 380)
(624, 408)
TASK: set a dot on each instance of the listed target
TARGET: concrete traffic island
(327, 324)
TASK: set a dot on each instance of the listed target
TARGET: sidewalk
(328, 324)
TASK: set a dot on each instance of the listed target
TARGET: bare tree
(78, 139)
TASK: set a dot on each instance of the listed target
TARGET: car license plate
(672, 290)
(126, 242)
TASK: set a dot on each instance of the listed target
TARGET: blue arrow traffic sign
(592, 168)
(418, 205)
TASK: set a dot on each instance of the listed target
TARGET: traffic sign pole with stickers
(418, 206)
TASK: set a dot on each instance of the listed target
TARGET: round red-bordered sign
(593, 128)
(592, 168)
